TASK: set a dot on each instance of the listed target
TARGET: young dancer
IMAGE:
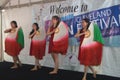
(90, 49)
(14, 43)
(59, 45)
(37, 48)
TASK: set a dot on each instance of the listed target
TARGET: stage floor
(24, 73)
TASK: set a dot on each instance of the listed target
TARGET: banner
(72, 13)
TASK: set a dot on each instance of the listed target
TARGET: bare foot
(94, 74)
(14, 67)
(34, 69)
(20, 64)
(53, 72)
(39, 66)
(84, 78)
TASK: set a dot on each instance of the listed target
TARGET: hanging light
(3, 10)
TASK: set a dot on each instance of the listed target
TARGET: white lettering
(113, 22)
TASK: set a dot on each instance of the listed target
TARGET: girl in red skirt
(14, 43)
(37, 48)
(90, 49)
(59, 45)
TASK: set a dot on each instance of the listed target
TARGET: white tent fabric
(111, 56)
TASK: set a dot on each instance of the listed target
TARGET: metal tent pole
(1, 42)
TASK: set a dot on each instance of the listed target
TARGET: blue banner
(108, 20)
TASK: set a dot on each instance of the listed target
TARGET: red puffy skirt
(12, 48)
(60, 46)
(37, 48)
(90, 55)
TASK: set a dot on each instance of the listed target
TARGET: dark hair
(15, 23)
(37, 28)
(56, 18)
(87, 21)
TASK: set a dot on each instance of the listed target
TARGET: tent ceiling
(3, 3)
(22, 3)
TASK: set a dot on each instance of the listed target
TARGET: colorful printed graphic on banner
(108, 20)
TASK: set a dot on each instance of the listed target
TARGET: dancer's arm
(50, 32)
(30, 36)
(7, 30)
(78, 34)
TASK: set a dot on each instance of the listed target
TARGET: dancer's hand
(76, 35)
(30, 36)
(7, 30)
(51, 32)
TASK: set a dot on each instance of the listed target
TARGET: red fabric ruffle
(37, 48)
(90, 55)
(12, 48)
(59, 46)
